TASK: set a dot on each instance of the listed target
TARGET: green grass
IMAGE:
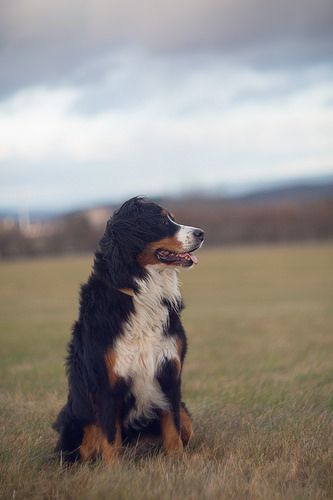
(258, 380)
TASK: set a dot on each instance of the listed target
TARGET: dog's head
(141, 233)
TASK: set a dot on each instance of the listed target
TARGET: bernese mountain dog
(127, 348)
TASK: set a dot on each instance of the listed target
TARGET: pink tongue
(194, 259)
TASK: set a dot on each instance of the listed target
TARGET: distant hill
(287, 193)
(292, 192)
(298, 212)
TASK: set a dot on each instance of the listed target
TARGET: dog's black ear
(115, 258)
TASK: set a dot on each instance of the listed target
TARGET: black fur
(103, 311)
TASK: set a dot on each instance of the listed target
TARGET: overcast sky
(102, 100)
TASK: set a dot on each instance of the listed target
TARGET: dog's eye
(165, 220)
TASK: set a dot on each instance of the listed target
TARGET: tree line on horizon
(226, 222)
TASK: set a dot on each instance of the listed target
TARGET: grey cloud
(184, 85)
(44, 42)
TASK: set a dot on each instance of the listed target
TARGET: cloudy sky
(102, 100)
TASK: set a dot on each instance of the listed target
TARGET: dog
(127, 348)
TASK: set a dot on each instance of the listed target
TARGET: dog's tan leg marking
(110, 451)
(171, 438)
(186, 429)
(91, 442)
(94, 443)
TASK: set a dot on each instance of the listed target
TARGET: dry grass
(258, 380)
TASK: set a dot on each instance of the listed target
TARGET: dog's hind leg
(70, 435)
(186, 430)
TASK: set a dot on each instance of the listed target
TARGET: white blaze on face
(185, 236)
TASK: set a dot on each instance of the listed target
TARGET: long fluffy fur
(127, 349)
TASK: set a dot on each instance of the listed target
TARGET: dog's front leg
(110, 424)
(169, 381)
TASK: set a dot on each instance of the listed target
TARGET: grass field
(258, 380)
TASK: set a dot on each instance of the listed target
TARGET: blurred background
(220, 110)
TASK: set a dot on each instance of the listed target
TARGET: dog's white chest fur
(143, 346)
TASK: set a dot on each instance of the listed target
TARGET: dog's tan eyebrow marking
(126, 291)
(166, 213)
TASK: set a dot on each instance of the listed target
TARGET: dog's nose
(198, 233)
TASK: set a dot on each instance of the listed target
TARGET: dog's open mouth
(185, 259)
